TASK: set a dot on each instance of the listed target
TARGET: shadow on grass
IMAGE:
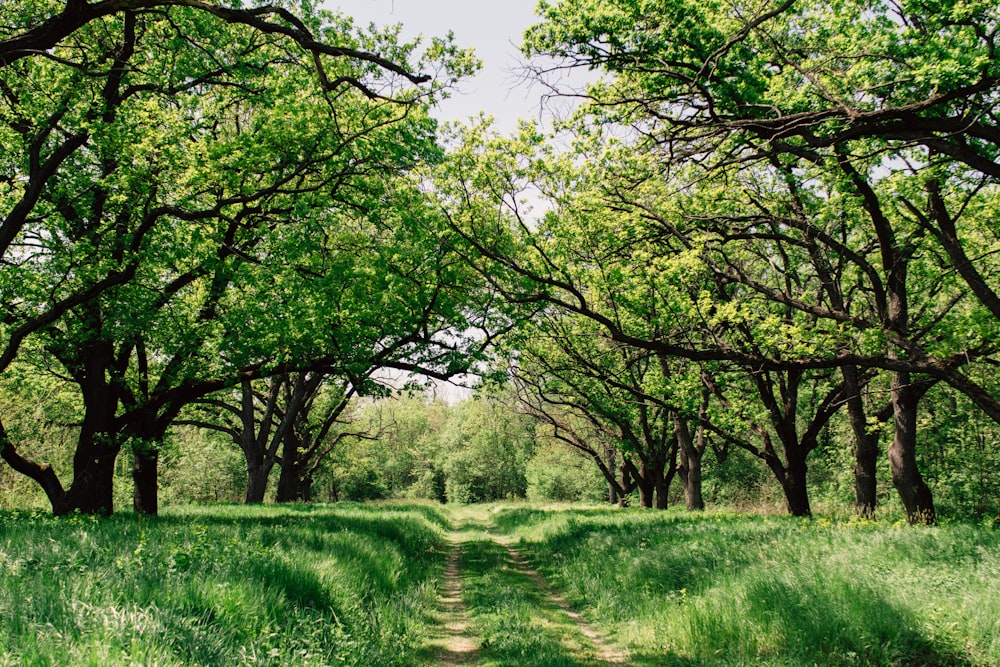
(843, 622)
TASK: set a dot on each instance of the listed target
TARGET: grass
(516, 623)
(723, 589)
(357, 585)
(322, 585)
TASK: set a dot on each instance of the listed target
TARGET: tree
(889, 114)
(568, 375)
(486, 447)
(148, 188)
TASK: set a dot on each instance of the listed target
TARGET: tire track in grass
(455, 645)
(602, 650)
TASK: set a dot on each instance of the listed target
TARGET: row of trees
(197, 199)
(767, 229)
(769, 215)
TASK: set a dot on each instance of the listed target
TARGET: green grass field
(722, 589)
(330, 585)
(358, 585)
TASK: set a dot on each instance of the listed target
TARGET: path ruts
(455, 645)
(603, 652)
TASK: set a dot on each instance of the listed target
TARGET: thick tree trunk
(92, 491)
(796, 491)
(145, 479)
(690, 467)
(257, 476)
(662, 486)
(97, 449)
(645, 493)
(644, 481)
(290, 479)
(792, 478)
(913, 491)
(665, 467)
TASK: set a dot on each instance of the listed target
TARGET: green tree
(485, 447)
(821, 161)
(140, 195)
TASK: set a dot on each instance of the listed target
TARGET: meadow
(232, 585)
(353, 584)
(722, 589)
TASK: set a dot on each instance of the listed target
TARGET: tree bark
(145, 479)
(99, 442)
(661, 484)
(913, 491)
(92, 491)
(690, 465)
(865, 447)
(41, 473)
(257, 475)
(796, 491)
(644, 483)
(290, 479)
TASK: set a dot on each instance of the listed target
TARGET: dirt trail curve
(604, 652)
(457, 646)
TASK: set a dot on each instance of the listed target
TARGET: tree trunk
(97, 449)
(663, 474)
(288, 485)
(92, 491)
(257, 475)
(289, 480)
(42, 473)
(793, 483)
(662, 486)
(913, 491)
(865, 447)
(690, 467)
(645, 493)
(145, 478)
(647, 485)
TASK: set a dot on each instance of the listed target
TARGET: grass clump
(299, 585)
(723, 589)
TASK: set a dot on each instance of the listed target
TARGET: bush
(362, 482)
(559, 473)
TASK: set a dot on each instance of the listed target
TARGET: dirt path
(603, 652)
(455, 645)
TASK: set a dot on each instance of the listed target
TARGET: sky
(494, 29)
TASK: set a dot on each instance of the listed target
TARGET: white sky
(494, 29)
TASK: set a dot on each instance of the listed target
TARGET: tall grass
(318, 585)
(723, 589)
